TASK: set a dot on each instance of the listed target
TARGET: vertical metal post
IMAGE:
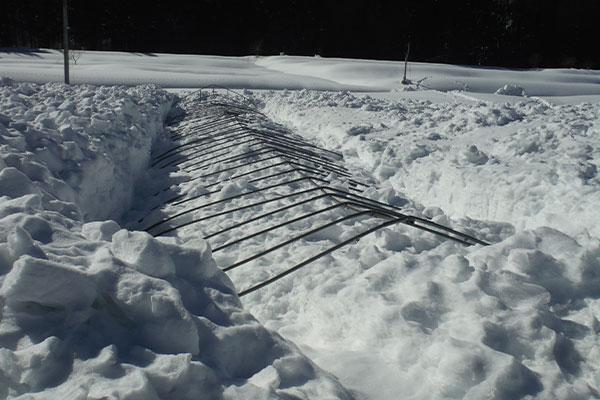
(66, 40)
(404, 80)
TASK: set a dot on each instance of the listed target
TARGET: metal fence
(292, 190)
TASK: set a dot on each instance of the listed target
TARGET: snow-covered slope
(290, 72)
(91, 310)
(432, 319)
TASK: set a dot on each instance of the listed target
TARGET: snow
(90, 310)
(92, 307)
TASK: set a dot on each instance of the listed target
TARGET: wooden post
(66, 40)
(404, 80)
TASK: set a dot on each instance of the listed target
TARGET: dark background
(507, 33)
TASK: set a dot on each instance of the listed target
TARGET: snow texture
(90, 310)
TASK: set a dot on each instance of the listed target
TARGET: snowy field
(92, 307)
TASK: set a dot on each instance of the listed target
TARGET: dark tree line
(510, 33)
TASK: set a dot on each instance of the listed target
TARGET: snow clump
(89, 310)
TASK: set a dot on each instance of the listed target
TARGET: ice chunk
(47, 283)
(143, 252)
(511, 90)
(100, 230)
(14, 183)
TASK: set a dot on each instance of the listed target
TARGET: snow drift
(90, 310)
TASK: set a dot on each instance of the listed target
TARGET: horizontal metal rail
(294, 239)
(270, 148)
(199, 142)
(181, 196)
(304, 178)
(218, 122)
(219, 147)
(282, 224)
(316, 257)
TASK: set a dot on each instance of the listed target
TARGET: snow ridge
(92, 311)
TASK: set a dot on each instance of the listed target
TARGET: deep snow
(90, 309)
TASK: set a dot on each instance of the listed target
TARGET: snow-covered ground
(91, 310)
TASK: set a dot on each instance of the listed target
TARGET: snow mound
(431, 319)
(511, 90)
(83, 145)
(89, 310)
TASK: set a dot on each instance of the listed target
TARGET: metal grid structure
(291, 193)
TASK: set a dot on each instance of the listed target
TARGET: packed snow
(94, 311)
(93, 307)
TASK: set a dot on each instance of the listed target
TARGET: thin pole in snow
(66, 40)
(404, 80)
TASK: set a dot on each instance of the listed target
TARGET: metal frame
(223, 125)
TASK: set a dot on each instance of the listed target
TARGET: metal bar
(281, 142)
(266, 201)
(214, 173)
(464, 236)
(296, 144)
(237, 166)
(261, 189)
(270, 148)
(286, 242)
(356, 183)
(304, 178)
(273, 212)
(247, 109)
(186, 158)
(201, 143)
(217, 121)
(271, 228)
(309, 200)
(381, 211)
(231, 159)
(217, 191)
(317, 256)
(177, 149)
(289, 134)
(250, 172)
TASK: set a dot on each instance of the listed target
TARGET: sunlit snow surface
(93, 310)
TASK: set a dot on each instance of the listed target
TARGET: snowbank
(90, 310)
(530, 163)
(399, 314)
(434, 320)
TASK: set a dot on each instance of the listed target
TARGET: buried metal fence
(287, 182)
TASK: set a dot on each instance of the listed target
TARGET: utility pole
(404, 80)
(66, 40)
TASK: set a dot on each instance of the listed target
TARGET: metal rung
(217, 191)
(218, 121)
(270, 148)
(186, 158)
(317, 256)
(191, 144)
(304, 178)
(280, 225)
(357, 203)
(289, 241)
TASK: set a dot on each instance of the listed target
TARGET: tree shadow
(24, 51)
